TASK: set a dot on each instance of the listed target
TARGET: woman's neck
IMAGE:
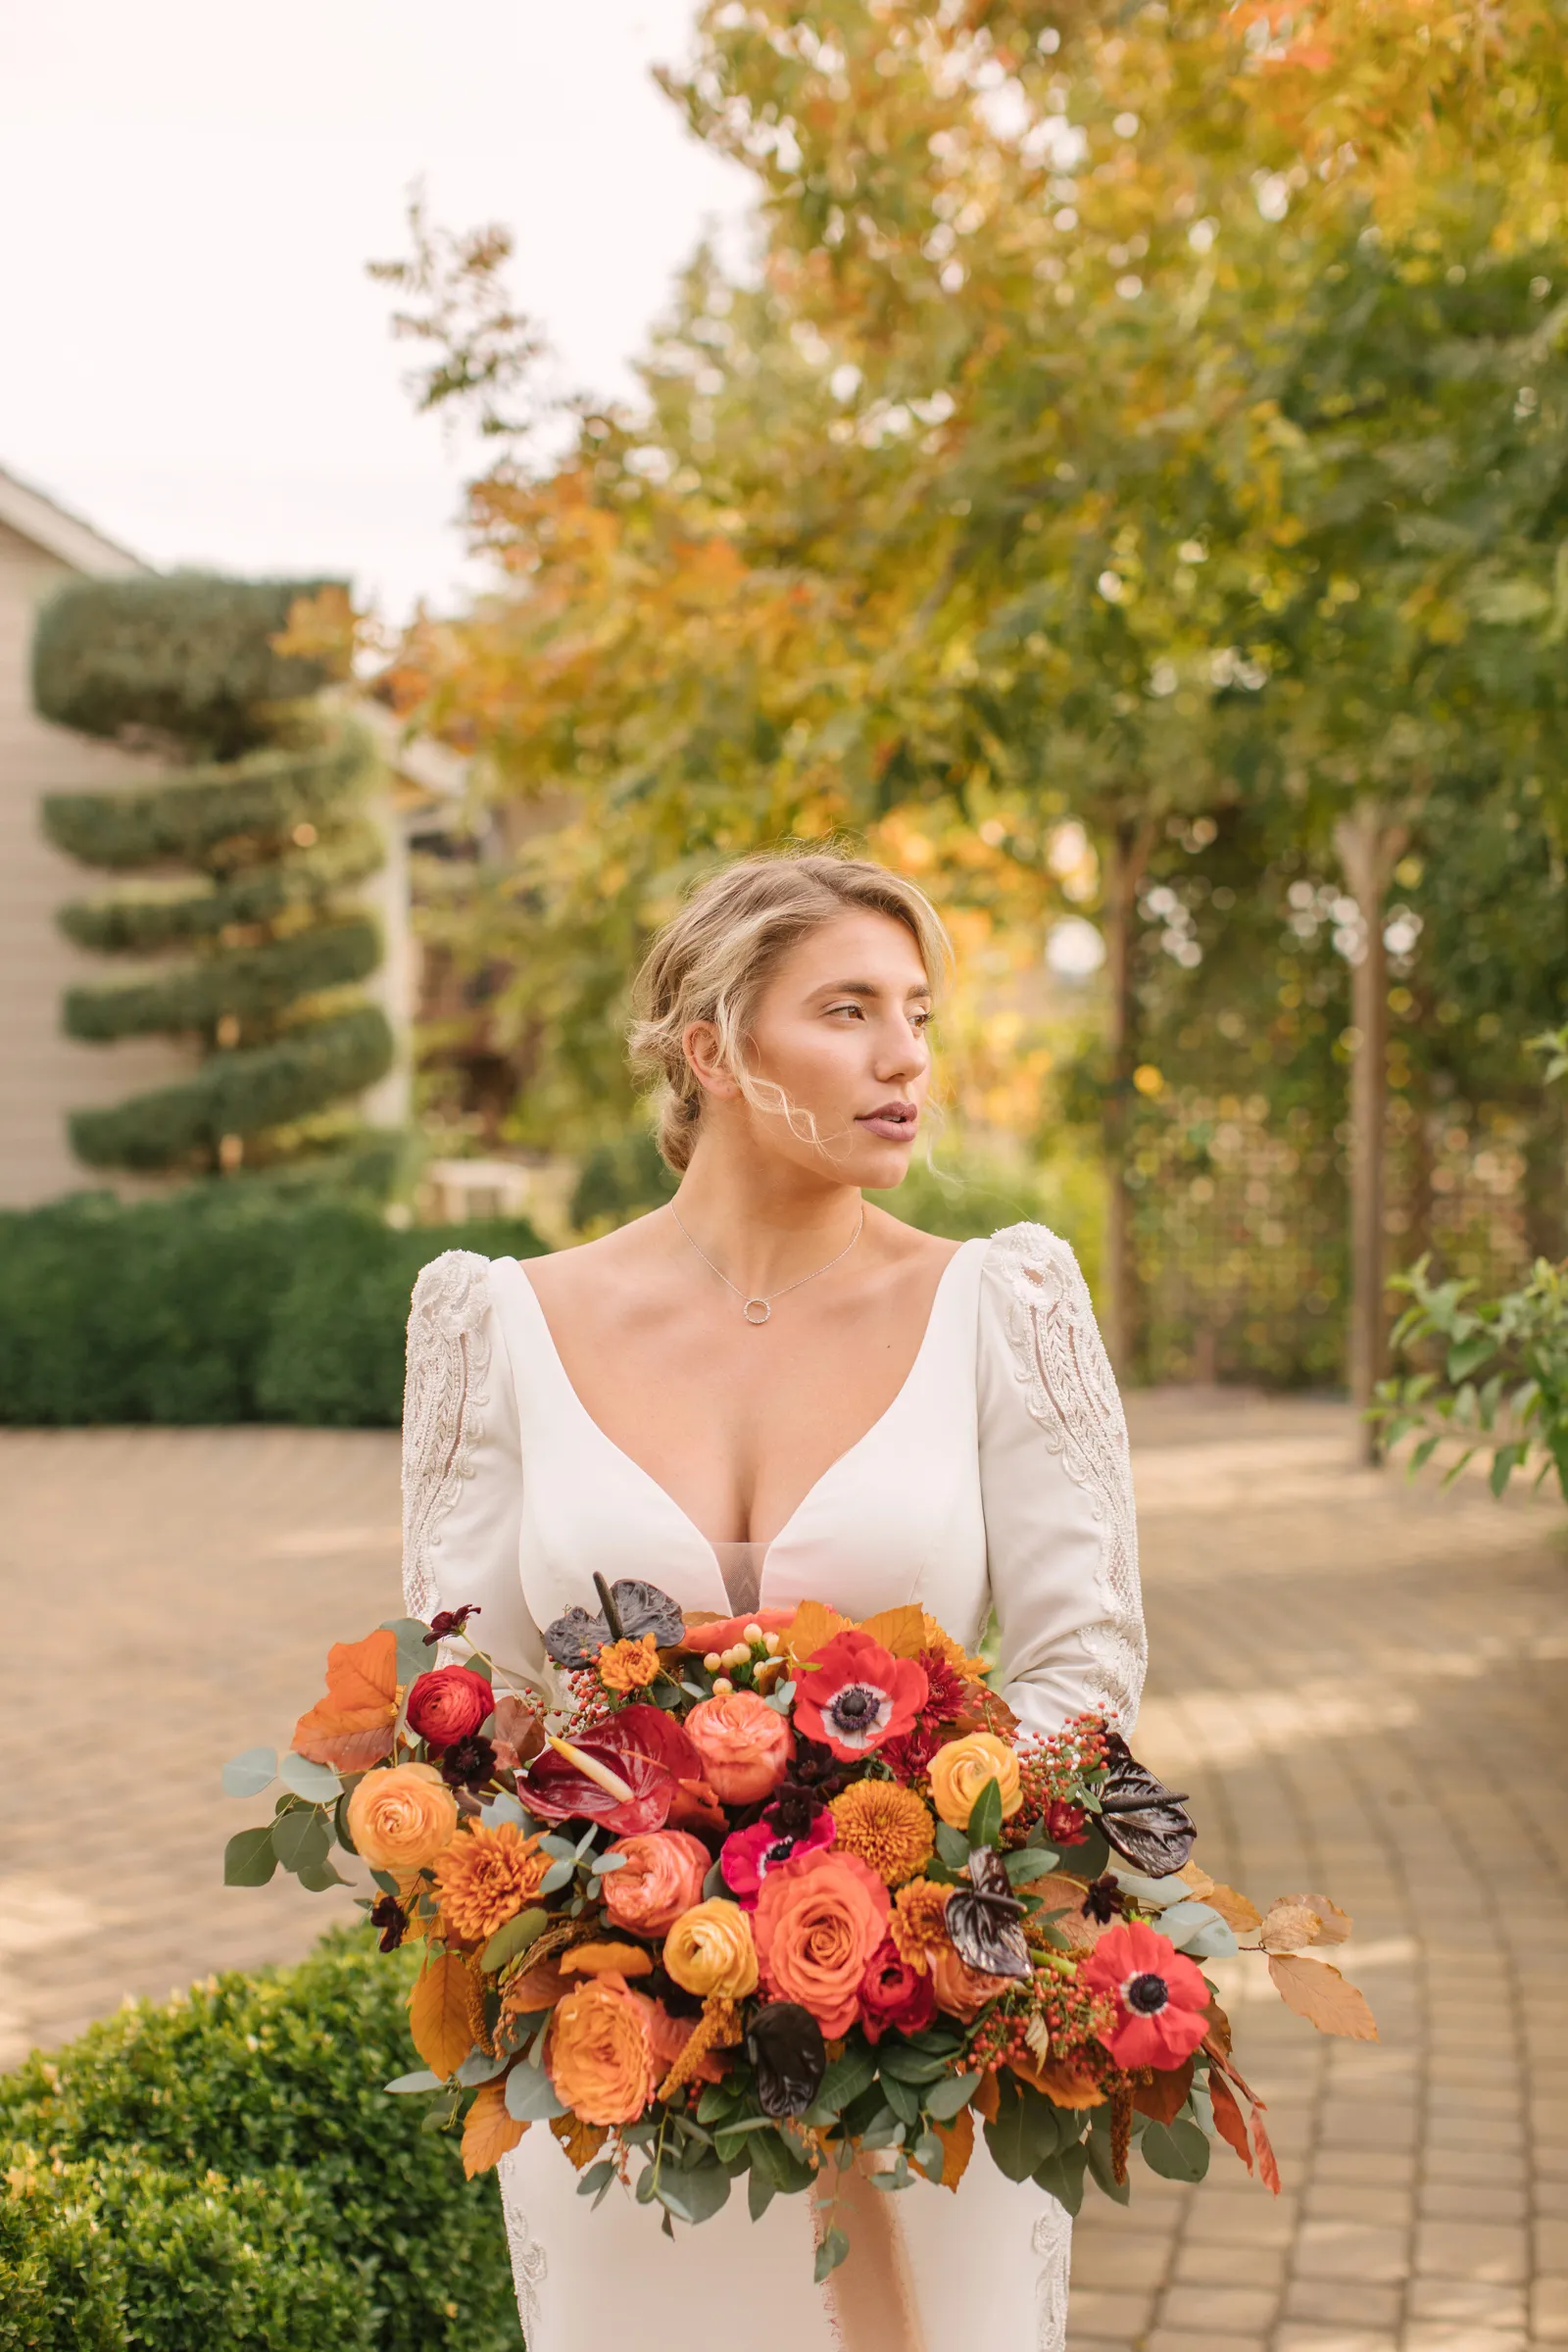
(761, 1217)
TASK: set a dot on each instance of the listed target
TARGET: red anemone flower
(857, 1695)
(641, 1747)
(1161, 2000)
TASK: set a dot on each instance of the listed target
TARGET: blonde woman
(768, 1390)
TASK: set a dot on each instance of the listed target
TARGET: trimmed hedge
(225, 1303)
(227, 2172)
(151, 915)
(251, 982)
(216, 817)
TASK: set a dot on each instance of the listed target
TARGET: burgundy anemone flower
(748, 1855)
(643, 1759)
(390, 1917)
(857, 1695)
(1160, 1996)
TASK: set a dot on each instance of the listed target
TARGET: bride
(768, 1392)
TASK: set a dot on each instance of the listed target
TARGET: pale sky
(191, 355)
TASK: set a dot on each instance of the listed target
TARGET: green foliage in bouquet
(268, 820)
(241, 1302)
(222, 2172)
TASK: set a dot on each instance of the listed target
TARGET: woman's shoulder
(451, 1293)
(1016, 1249)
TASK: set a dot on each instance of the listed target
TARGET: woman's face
(841, 1031)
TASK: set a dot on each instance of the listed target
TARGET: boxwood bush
(227, 2172)
(220, 1303)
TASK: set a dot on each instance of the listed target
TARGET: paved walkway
(1362, 1685)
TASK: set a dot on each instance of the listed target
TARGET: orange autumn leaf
(537, 1987)
(488, 2130)
(1268, 2170)
(351, 1728)
(601, 1959)
(900, 1630)
(1334, 1925)
(1234, 1908)
(958, 2146)
(439, 2015)
(987, 2101)
(1161, 2099)
(581, 2141)
(1320, 1994)
(1228, 2118)
(1065, 2085)
(1288, 1925)
(814, 1627)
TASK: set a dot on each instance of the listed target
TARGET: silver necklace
(758, 1309)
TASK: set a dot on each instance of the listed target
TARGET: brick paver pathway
(1361, 1683)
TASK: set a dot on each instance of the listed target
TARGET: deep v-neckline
(655, 1485)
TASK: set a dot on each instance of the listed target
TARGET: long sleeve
(1055, 1480)
(462, 1466)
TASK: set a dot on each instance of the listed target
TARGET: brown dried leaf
(439, 2016)
(341, 1742)
(519, 1728)
(1234, 1908)
(488, 2130)
(1336, 1924)
(1162, 2098)
(1268, 2171)
(1288, 1925)
(346, 1727)
(987, 2100)
(1063, 1896)
(540, 1986)
(1227, 2120)
(985, 1710)
(958, 2146)
(1067, 2085)
(1320, 1994)
(581, 2141)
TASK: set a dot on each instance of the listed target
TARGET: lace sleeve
(1081, 1528)
(444, 1405)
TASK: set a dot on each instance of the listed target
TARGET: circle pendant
(757, 1310)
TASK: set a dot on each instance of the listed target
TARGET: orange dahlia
(919, 1926)
(624, 1666)
(486, 1877)
(887, 1825)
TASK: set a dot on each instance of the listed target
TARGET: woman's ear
(700, 1046)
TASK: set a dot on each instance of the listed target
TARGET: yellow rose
(400, 1820)
(710, 1950)
(960, 1770)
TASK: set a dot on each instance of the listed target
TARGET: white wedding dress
(998, 1478)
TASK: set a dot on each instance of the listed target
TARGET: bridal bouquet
(777, 1894)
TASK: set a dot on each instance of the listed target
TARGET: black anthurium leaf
(575, 1640)
(984, 1918)
(1146, 1822)
(786, 2048)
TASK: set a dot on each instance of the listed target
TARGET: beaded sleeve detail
(1071, 1392)
(442, 1409)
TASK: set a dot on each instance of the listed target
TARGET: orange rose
(959, 1771)
(818, 1922)
(400, 1820)
(745, 1746)
(662, 1877)
(960, 1990)
(600, 2053)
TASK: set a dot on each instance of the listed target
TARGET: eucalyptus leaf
(476, 2068)
(513, 1937)
(759, 2193)
(829, 2254)
(597, 2175)
(250, 1857)
(558, 1875)
(317, 1784)
(496, 1810)
(413, 1658)
(928, 2154)
(316, 1877)
(901, 2098)
(1198, 1930)
(1177, 2151)
(530, 2095)
(301, 1838)
(845, 2079)
(1062, 2177)
(421, 2079)
(1031, 1862)
(248, 1774)
(946, 2099)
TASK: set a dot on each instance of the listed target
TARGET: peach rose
(960, 1990)
(662, 1877)
(818, 1922)
(400, 1820)
(600, 2053)
(959, 1771)
(745, 1746)
(710, 1950)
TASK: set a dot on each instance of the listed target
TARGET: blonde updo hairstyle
(713, 961)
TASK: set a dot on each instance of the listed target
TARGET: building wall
(44, 1074)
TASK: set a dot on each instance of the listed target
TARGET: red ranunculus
(449, 1704)
(1160, 1996)
(857, 1695)
(1066, 1823)
(892, 1997)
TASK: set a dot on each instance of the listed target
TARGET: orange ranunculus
(486, 1877)
(710, 1950)
(600, 2053)
(400, 1820)
(722, 1632)
(745, 1746)
(662, 1877)
(818, 1922)
(960, 1990)
(960, 1770)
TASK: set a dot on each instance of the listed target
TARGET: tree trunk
(1369, 847)
(1126, 855)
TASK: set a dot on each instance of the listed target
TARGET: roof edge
(37, 517)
